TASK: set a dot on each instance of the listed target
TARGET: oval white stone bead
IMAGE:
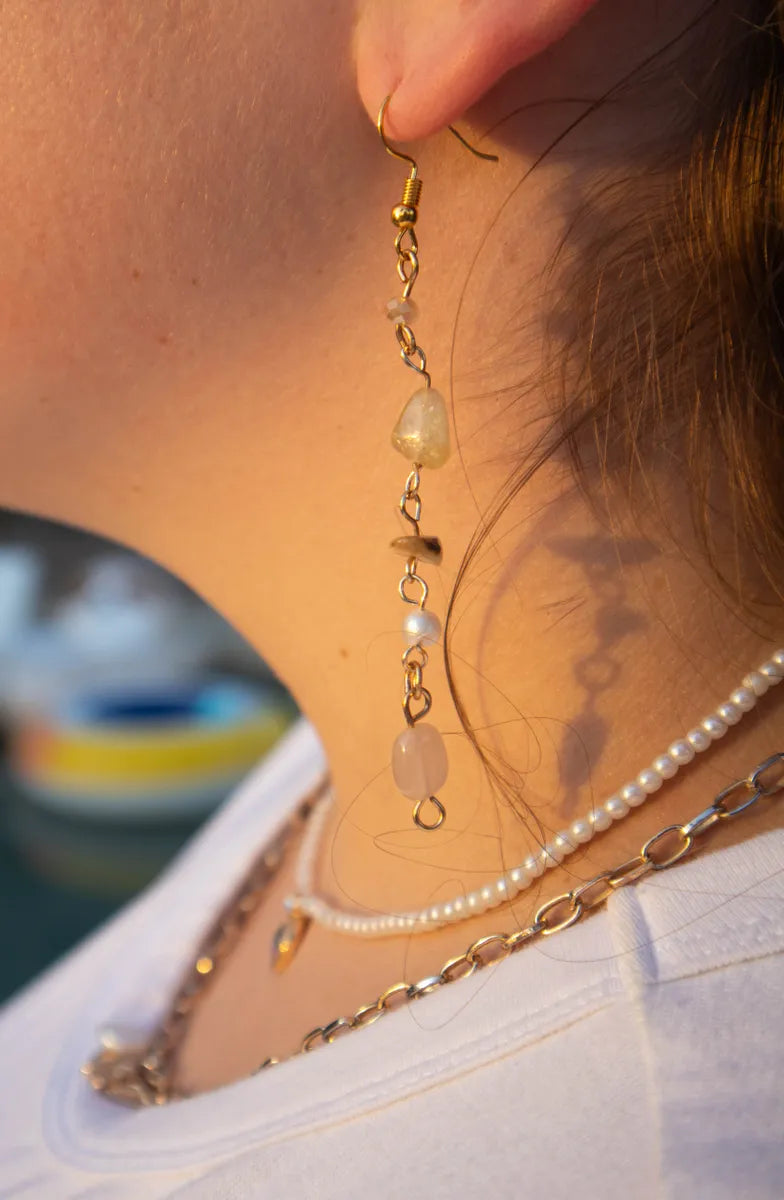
(681, 752)
(744, 698)
(714, 727)
(665, 767)
(419, 762)
(649, 780)
(616, 807)
(632, 795)
(729, 713)
(698, 740)
(421, 626)
(422, 431)
(758, 683)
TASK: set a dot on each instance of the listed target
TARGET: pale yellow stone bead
(419, 762)
(422, 432)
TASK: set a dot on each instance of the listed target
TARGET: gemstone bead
(419, 762)
(422, 431)
(427, 548)
(401, 311)
(420, 626)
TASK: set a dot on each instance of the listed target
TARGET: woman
(197, 252)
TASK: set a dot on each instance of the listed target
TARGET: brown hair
(676, 338)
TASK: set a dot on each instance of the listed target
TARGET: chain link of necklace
(141, 1076)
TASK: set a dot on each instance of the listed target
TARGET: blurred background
(129, 710)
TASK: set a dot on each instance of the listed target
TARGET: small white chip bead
(401, 311)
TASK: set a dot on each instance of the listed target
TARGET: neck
(578, 653)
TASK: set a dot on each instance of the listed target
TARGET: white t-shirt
(638, 1053)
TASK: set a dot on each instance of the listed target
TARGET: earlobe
(438, 57)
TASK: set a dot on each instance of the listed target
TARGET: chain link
(142, 1076)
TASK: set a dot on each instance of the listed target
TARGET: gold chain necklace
(143, 1075)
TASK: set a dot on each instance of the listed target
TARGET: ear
(438, 57)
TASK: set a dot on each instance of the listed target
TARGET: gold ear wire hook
(407, 157)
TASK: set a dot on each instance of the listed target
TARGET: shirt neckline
(456, 1030)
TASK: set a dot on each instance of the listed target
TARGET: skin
(196, 251)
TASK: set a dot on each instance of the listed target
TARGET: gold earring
(419, 758)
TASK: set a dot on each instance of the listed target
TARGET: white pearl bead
(744, 698)
(681, 753)
(758, 683)
(616, 807)
(599, 819)
(420, 626)
(435, 912)
(649, 780)
(632, 795)
(729, 713)
(448, 912)
(580, 831)
(487, 895)
(778, 658)
(519, 876)
(772, 673)
(664, 766)
(563, 843)
(552, 855)
(458, 905)
(534, 865)
(474, 901)
(714, 727)
(698, 740)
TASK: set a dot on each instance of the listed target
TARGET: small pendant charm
(288, 939)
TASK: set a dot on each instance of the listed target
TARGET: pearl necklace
(305, 907)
